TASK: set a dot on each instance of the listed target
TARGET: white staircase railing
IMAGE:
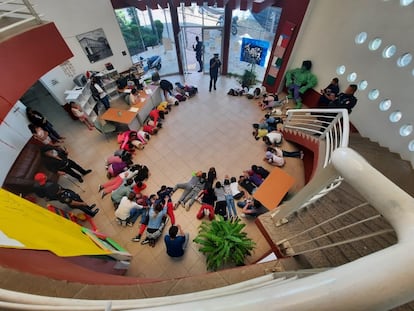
(380, 281)
(17, 13)
(331, 127)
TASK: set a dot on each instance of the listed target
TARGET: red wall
(26, 57)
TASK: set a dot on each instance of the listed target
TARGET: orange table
(123, 117)
(274, 188)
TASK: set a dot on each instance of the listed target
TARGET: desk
(149, 99)
(274, 188)
(123, 117)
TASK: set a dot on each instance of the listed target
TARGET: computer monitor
(80, 80)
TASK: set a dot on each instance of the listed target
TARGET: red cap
(41, 178)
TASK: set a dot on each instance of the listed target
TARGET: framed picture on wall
(95, 45)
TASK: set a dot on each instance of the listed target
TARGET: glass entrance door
(212, 41)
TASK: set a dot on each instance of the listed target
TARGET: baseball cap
(41, 178)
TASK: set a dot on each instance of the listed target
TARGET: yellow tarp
(24, 224)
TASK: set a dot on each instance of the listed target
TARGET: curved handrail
(379, 281)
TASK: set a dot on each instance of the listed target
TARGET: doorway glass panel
(148, 34)
(252, 26)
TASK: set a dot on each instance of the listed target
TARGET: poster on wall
(254, 51)
(95, 45)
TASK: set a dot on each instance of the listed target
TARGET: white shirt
(277, 159)
(275, 137)
(101, 92)
(234, 188)
(124, 208)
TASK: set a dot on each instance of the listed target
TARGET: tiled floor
(210, 129)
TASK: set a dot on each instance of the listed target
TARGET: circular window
(406, 2)
(374, 44)
(362, 85)
(352, 77)
(406, 130)
(404, 60)
(341, 70)
(411, 145)
(385, 105)
(361, 37)
(395, 116)
(373, 94)
(389, 51)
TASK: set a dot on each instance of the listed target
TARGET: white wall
(76, 17)
(13, 138)
(327, 38)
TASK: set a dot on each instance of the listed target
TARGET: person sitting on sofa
(54, 192)
(41, 135)
(56, 160)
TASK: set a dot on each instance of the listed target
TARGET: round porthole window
(389, 51)
(406, 130)
(361, 37)
(404, 60)
(395, 116)
(406, 2)
(373, 94)
(352, 77)
(385, 105)
(374, 44)
(362, 85)
(411, 145)
(340, 70)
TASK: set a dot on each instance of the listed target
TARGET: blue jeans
(231, 207)
(134, 214)
(105, 102)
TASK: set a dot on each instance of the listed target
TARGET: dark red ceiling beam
(260, 5)
(163, 3)
(222, 3)
(152, 4)
(246, 5)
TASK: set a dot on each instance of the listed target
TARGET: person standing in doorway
(215, 64)
(198, 49)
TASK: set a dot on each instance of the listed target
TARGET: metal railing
(380, 281)
(17, 13)
(330, 126)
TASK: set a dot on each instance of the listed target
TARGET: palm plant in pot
(223, 242)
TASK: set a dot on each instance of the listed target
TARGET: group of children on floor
(218, 197)
(268, 130)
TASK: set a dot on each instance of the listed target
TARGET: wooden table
(123, 117)
(149, 99)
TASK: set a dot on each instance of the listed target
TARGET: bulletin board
(279, 52)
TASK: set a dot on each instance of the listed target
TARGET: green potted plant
(223, 242)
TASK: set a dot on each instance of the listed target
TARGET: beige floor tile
(210, 129)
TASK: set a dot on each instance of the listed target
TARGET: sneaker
(100, 188)
(187, 208)
(80, 179)
(103, 194)
(87, 171)
(92, 206)
(146, 241)
(136, 239)
(95, 212)
(130, 224)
